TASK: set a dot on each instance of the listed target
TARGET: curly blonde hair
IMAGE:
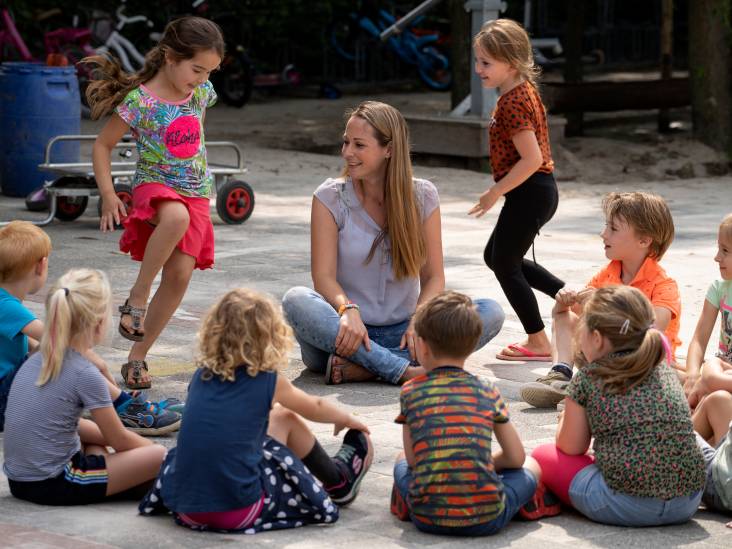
(243, 329)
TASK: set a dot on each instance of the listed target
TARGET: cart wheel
(235, 202)
(69, 208)
(124, 193)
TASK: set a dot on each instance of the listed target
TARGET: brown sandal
(137, 367)
(137, 314)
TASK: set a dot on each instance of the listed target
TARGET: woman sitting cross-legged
(376, 249)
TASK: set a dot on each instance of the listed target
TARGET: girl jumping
(169, 227)
(647, 469)
(522, 166)
(262, 468)
(53, 457)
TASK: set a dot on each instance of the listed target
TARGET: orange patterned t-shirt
(517, 110)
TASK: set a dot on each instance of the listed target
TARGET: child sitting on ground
(713, 424)
(446, 480)
(24, 252)
(52, 456)
(262, 468)
(717, 371)
(638, 231)
(647, 468)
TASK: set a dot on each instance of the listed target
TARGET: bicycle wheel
(343, 34)
(433, 67)
(234, 81)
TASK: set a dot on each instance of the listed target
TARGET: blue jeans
(519, 486)
(592, 497)
(316, 325)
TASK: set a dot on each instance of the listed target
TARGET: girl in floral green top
(647, 469)
(169, 226)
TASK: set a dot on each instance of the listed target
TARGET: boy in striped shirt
(448, 480)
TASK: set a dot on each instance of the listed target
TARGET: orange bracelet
(348, 305)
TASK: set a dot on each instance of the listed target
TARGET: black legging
(527, 208)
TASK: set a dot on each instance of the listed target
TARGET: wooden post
(667, 34)
(710, 70)
(460, 44)
(573, 58)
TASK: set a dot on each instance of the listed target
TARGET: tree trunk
(710, 62)
(460, 44)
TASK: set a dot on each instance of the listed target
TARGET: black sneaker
(146, 418)
(353, 460)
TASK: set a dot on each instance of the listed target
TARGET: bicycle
(412, 46)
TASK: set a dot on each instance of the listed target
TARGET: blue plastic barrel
(37, 103)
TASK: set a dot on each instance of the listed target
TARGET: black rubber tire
(234, 81)
(235, 202)
(69, 208)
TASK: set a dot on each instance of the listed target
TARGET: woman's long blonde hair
(76, 304)
(243, 329)
(625, 317)
(505, 40)
(182, 39)
(403, 219)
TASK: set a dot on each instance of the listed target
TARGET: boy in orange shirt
(638, 231)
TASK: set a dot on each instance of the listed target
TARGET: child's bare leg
(90, 434)
(717, 375)
(563, 329)
(532, 465)
(177, 274)
(171, 222)
(291, 430)
(713, 415)
(133, 467)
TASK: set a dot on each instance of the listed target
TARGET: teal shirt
(14, 316)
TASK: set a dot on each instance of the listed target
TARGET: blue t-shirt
(217, 462)
(13, 343)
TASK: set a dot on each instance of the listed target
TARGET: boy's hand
(351, 422)
(487, 200)
(565, 298)
(113, 212)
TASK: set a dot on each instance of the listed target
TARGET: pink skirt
(198, 240)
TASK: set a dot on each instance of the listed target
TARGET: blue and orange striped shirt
(450, 416)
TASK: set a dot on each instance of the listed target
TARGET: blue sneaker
(147, 418)
(171, 404)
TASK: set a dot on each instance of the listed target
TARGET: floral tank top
(169, 135)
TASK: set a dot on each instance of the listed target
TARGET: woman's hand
(409, 339)
(113, 212)
(351, 333)
(487, 200)
(350, 422)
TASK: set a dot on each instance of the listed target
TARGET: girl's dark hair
(183, 39)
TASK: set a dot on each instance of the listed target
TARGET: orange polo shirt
(656, 285)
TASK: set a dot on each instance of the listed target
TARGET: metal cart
(67, 196)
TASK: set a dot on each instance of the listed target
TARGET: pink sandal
(522, 355)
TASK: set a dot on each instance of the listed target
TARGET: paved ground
(270, 253)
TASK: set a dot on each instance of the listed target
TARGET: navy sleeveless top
(216, 467)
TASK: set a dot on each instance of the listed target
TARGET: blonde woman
(262, 468)
(52, 456)
(376, 253)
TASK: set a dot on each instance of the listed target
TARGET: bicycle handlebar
(404, 22)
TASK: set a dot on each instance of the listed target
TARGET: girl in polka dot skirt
(522, 166)
(647, 469)
(246, 461)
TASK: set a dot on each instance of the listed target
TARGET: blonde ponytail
(624, 316)
(76, 304)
